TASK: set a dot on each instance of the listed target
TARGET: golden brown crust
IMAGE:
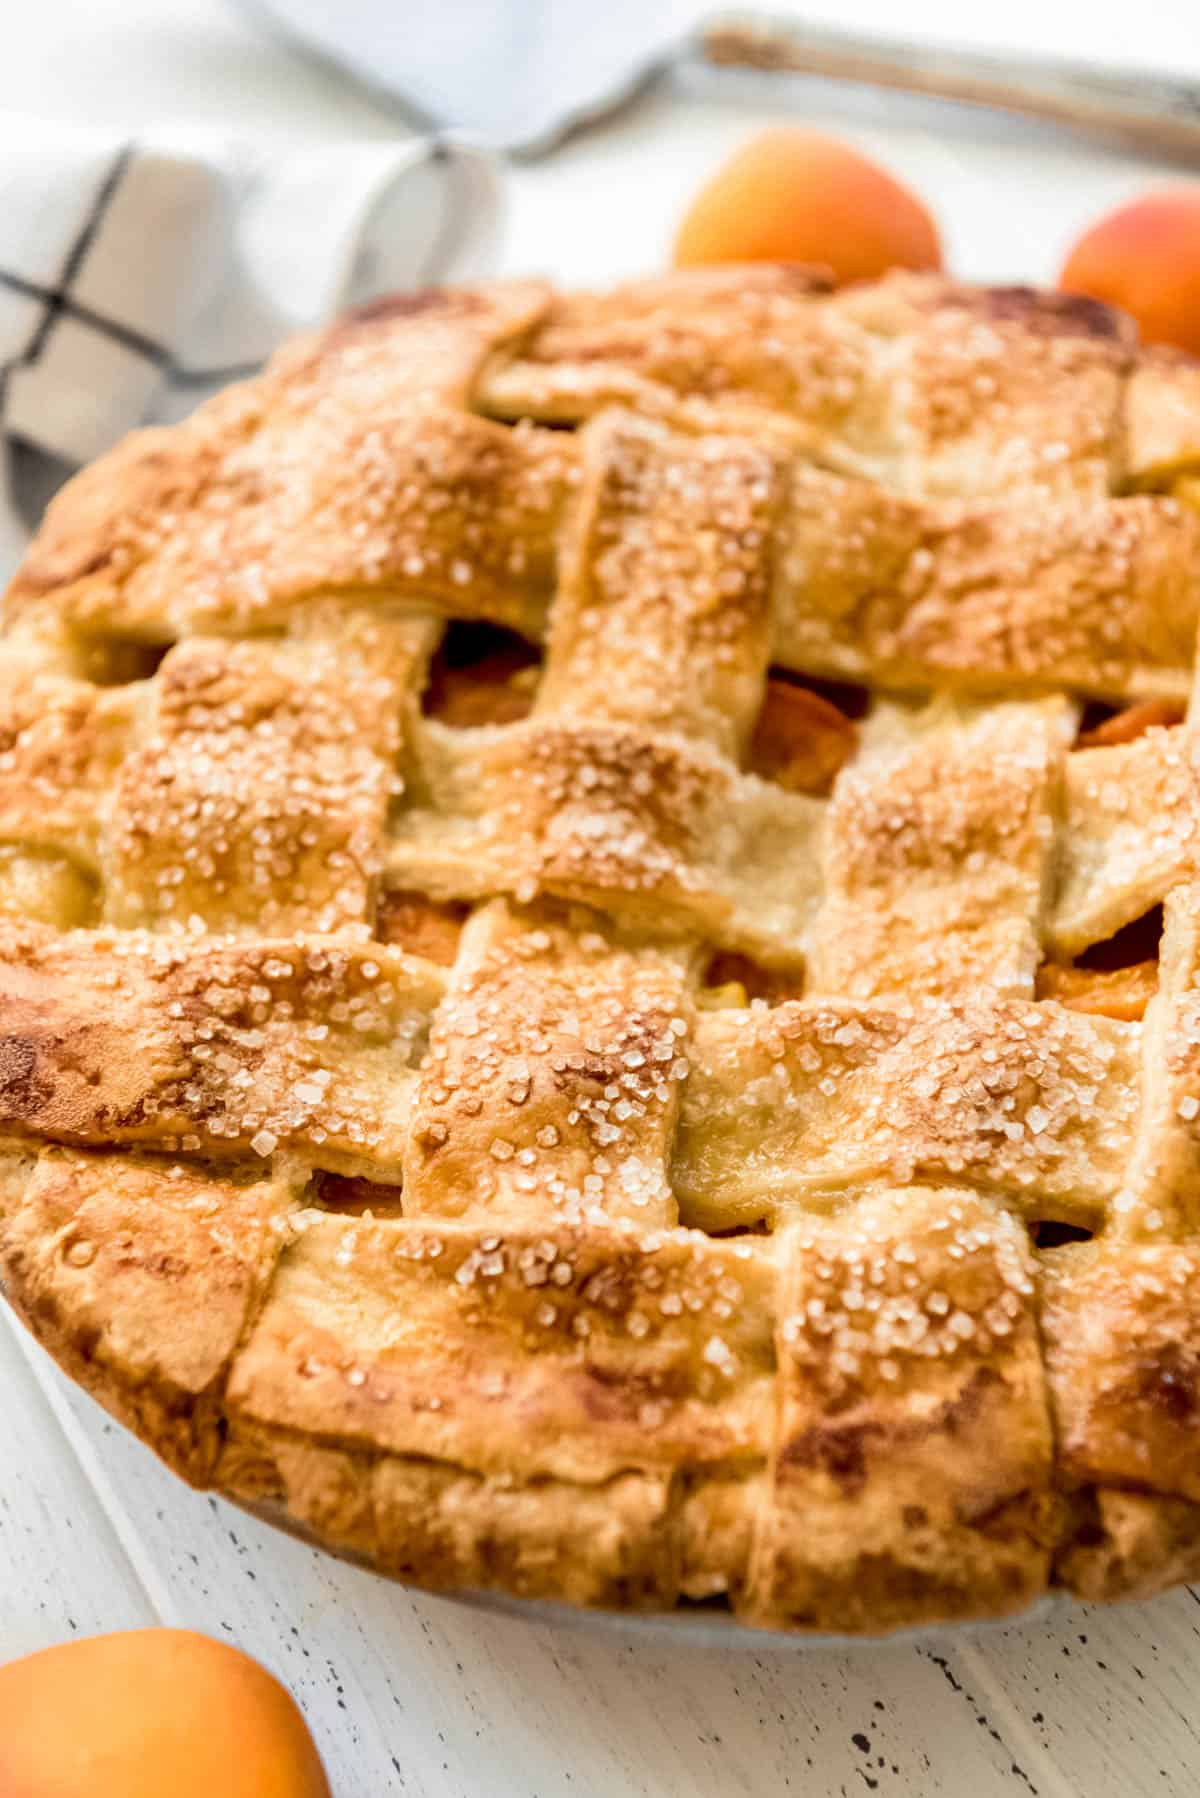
(668, 573)
(62, 743)
(553, 1044)
(1129, 1545)
(141, 1276)
(1162, 411)
(913, 1450)
(937, 853)
(930, 386)
(611, 1543)
(1123, 1362)
(1098, 597)
(214, 1047)
(654, 831)
(1130, 836)
(1045, 1124)
(570, 1352)
(370, 1141)
(348, 465)
(257, 796)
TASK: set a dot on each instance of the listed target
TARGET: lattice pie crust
(631, 1127)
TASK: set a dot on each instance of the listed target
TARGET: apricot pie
(600, 946)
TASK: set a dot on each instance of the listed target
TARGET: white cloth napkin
(137, 277)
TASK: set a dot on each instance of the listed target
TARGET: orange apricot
(151, 1713)
(1145, 258)
(791, 195)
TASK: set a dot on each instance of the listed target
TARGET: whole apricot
(151, 1713)
(791, 195)
(1145, 258)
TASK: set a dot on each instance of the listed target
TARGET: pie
(600, 945)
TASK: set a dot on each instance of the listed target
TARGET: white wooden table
(425, 1696)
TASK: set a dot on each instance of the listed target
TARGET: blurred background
(1009, 197)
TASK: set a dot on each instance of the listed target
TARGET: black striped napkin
(137, 278)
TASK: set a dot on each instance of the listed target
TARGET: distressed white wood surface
(415, 1695)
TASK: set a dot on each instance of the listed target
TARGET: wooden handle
(1156, 114)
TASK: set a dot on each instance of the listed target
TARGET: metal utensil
(524, 76)
(1157, 115)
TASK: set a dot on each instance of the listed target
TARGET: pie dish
(581, 1005)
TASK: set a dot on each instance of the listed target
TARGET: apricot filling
(481, 675)
(420, 925)
(801, 740)
(1051, 1234)
(732, 980)
(1113, 979)
(1120, 993)
(1131, 722)
(353, 1197)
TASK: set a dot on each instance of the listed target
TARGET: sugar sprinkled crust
(373, 1139)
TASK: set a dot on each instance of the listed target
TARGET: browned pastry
(580, 1003)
